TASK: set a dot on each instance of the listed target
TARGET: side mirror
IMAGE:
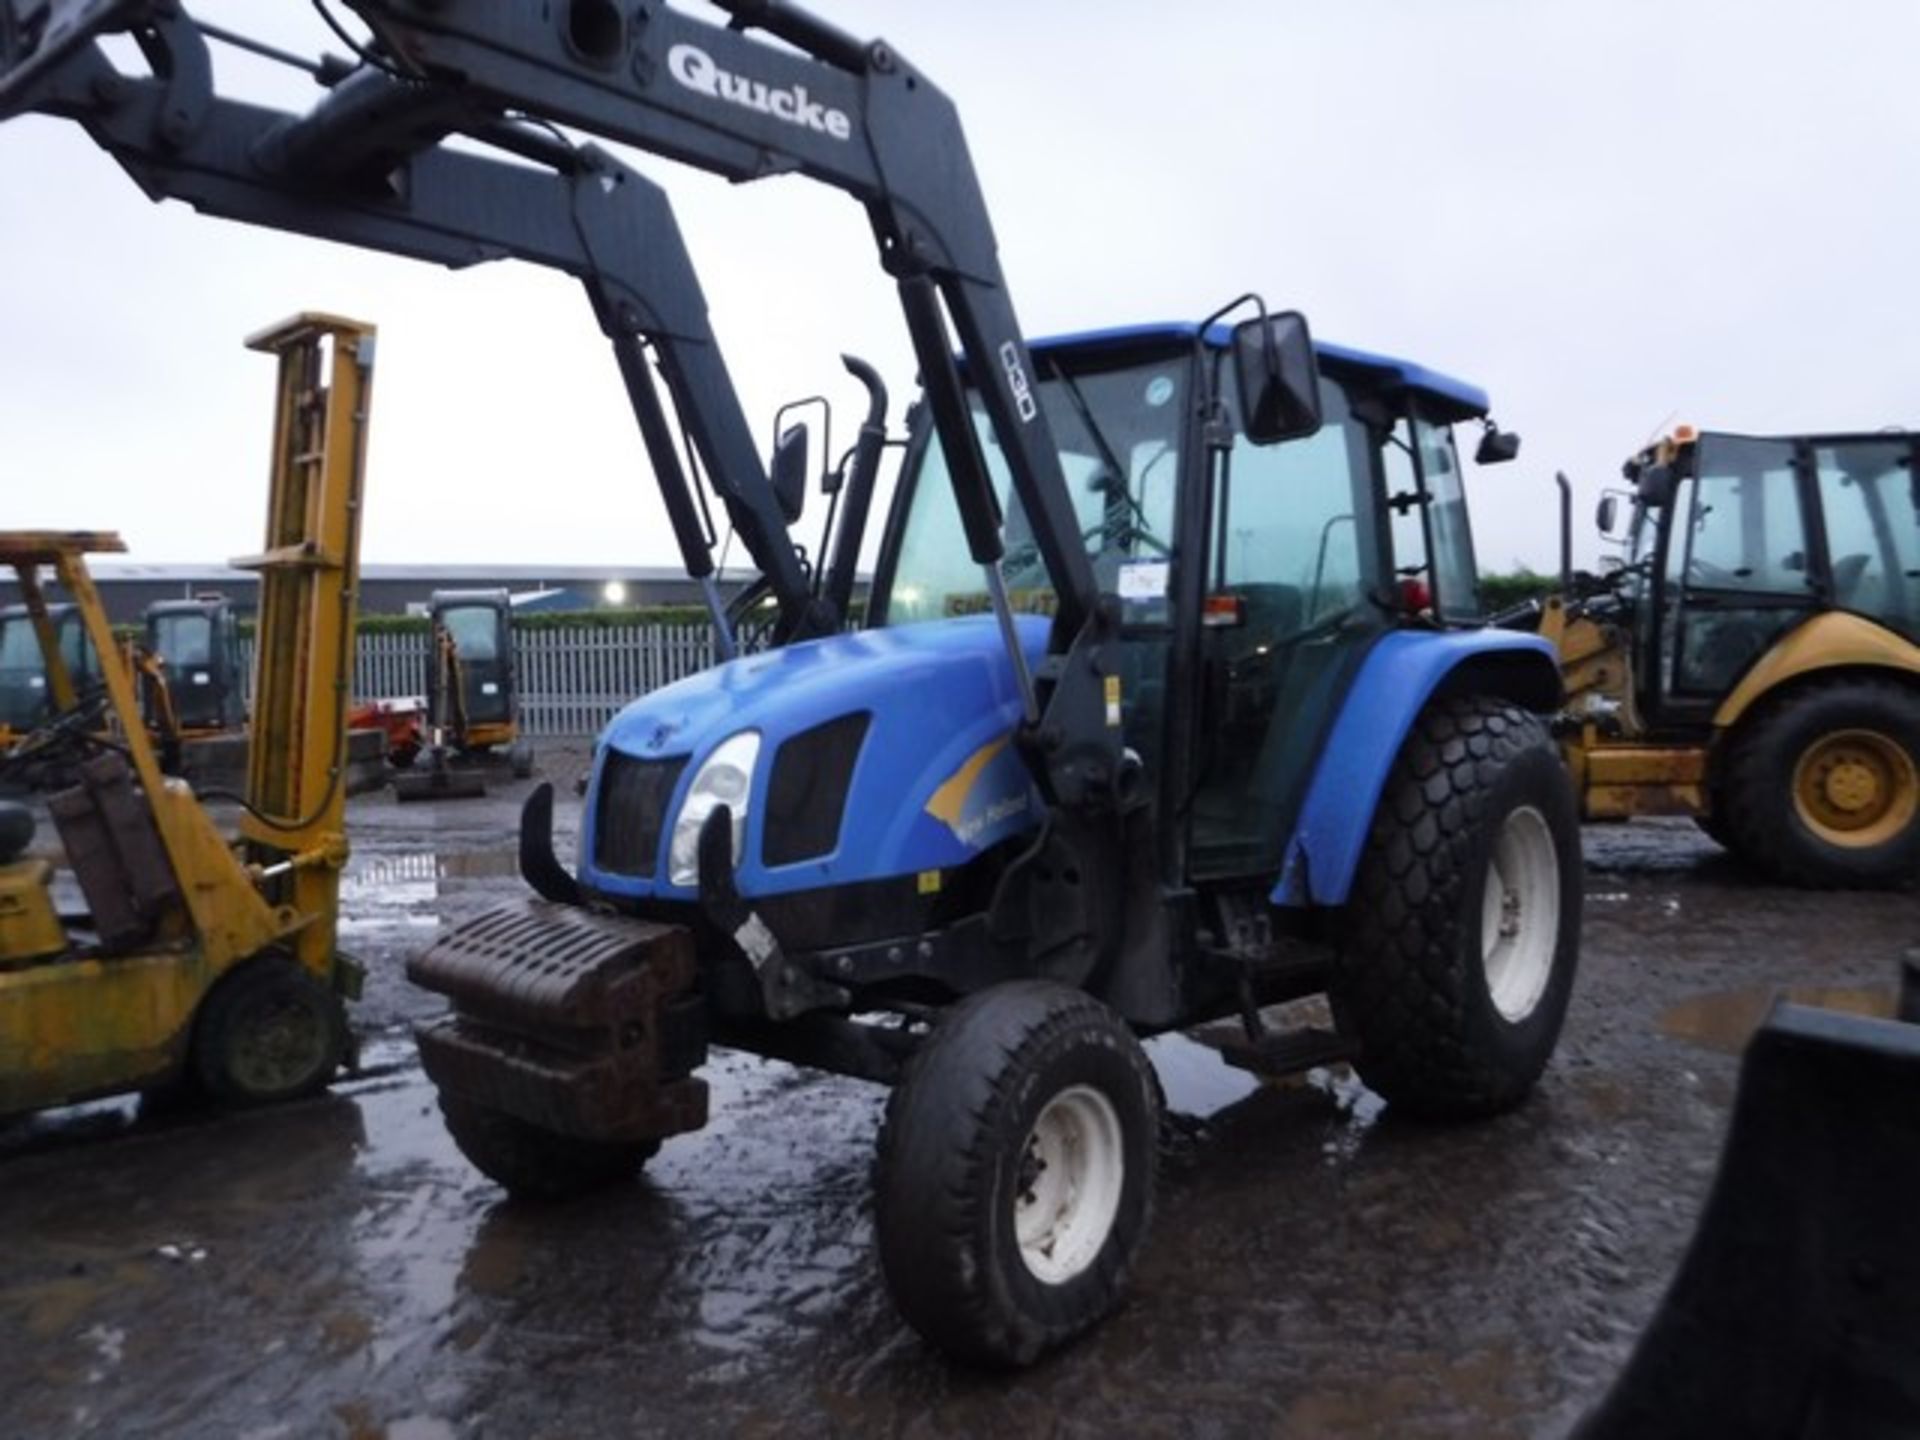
(1606, 513)
(1278, 376)
(1496, 446)
(788, 473)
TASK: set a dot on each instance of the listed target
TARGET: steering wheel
(1128, 531)
(69, 730)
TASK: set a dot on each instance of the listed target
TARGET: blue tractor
(1333, 778)
(1173, 698)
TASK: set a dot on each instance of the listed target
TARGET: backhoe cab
(1176, 701)
(1754, 660)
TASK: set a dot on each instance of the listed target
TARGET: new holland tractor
(1174, 699)
(1754, 661)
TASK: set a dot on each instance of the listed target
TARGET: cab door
(1296, 561)
(483, 652)
(1740, 570)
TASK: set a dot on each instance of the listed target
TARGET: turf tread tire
(1408, 984)
(955, 1126)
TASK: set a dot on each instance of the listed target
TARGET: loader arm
(366, 164)
(398, 190)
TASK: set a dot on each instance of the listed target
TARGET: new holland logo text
(694, 68)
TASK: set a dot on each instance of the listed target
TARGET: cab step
(1277, 1052)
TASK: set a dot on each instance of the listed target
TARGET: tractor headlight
(725, 779)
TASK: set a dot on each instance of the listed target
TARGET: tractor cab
(470, 680)
(195, 647)
(1276, 567)
(26, 690)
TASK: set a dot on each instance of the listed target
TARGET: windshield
(475, 630)
(19, 646)
(184, 641)
(1118, 431)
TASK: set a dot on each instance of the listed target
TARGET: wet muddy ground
(1316, 1268)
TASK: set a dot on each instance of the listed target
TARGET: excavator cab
(472, 700)
(196, 647)
(26, 693)
(471, 689)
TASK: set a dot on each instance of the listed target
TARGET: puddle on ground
(1726, 1021)
(382, 893)
(1193, 1077)
(377, 872)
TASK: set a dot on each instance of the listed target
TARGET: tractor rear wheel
(1462, 931)
(535, 1164)
(1823, 787)
(1015, 1175)
(270, 1031)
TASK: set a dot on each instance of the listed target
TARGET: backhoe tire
(1015, 1174)
(1713, 824)
(1460, 938)
(535, 1164)
(269, 1031)
(1823, 786)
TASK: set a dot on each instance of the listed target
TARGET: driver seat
(113, 845)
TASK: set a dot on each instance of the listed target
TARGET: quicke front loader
(1173, 700)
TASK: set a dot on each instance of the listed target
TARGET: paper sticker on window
(1143, 580)
(488, 687)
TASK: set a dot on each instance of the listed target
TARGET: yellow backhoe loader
(1753, 662)
(197, 955)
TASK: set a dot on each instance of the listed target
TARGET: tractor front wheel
(1823, 787)
(270, 1031)
(1462, 931)
(1014, 1183)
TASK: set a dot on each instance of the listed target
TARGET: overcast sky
(1611, 216)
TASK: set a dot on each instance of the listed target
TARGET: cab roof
(1456, 399)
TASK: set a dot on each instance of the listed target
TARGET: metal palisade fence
(573, 679)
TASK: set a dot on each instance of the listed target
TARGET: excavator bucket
(1795, 1313)
(436, 779)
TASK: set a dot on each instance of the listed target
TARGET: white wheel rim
(1520, 914)
(1072, 1167)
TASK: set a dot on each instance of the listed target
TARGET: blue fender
(1398, 677)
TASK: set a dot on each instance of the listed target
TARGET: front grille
(808, 790)
(631, 810)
